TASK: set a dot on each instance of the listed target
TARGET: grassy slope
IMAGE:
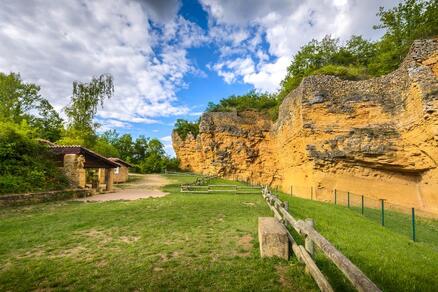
(181, 241)
(386, 255)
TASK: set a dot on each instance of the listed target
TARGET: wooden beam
(302, 255)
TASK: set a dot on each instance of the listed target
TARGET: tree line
(26, 117)
(355, 59)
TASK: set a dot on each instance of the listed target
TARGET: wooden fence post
(308, 243)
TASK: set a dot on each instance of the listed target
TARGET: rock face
(377, 137)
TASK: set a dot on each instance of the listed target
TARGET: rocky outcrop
(377, 137)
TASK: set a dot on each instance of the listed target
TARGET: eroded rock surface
(376, 137)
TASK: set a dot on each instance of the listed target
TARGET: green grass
(199, 242)
(178, 242)
(385, 254)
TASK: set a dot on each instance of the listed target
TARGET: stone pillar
(74, 169)
(109, 179)
(101, 175)
(273, 238)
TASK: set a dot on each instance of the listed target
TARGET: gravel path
(147, 186)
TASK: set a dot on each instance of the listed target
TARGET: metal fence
(411, 222)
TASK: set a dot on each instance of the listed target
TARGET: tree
(408, 21)
(125, 146)
(140, 149)
(21, 101)
(17, 98)
(105, 148)
(184, 127)
(47, 123)
(85, 101)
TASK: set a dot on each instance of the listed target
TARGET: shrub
(183, 128)
(26, 165)
(258, 101)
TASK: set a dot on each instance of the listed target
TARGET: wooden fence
(312, 238)
(220, 189)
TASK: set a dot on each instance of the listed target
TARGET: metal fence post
(413, 225)
(348, 199)
(291, 190)
(382, 215)
(311, 193)
(335, 197)
(362, 205)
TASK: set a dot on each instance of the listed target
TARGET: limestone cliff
(377, 137)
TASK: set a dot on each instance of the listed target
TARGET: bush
(343, 72)
(26, 165)
(258, 101)
(183, 128)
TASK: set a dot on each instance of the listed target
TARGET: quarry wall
(376, 137)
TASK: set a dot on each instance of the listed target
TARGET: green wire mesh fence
(410, 222)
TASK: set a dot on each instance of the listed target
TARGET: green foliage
(329, 57)
(18, 99)
(103, 147)
(253, 100)
(183, 128)
(48, 123)
(408, 21)
(25, 165)
(344, 72)
(356, 59)
(85, 101)
(146, 154)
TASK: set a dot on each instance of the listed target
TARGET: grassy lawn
(204, 242)
(385, 254)
(178, 242)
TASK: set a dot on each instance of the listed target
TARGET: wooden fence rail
(357, 278)
(220, 189)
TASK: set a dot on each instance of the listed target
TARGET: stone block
(273, 238)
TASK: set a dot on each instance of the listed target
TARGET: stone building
(76, 159)
(121, 173)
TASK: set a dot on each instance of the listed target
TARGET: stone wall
(34, 198)
(376, 137)
(74, 169)
(122, 175)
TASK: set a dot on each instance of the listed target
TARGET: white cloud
(166, 139)
(109, 124)
(53, 43)
(286, 26)
(167, 143)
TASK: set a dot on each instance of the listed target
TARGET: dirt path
(144, 186)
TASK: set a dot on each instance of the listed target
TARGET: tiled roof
(97, 159)
(120, 161)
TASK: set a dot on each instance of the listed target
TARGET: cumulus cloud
(143, 44)
(285, 26)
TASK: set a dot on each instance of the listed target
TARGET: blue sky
(168, 58)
